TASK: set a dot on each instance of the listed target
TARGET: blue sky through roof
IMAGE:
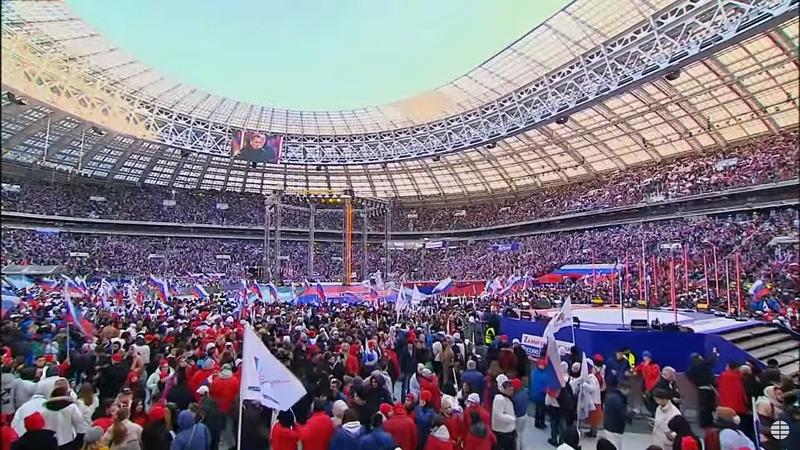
(314, 54)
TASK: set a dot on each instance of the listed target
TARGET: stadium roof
(746, 89)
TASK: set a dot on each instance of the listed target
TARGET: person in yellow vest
(488, 337)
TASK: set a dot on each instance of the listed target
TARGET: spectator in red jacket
(439, 439)
(402, 428)
(223, 389)
(731, 389)
(650, 373)
(316, 433)
(200, 376)
(428, 381)
(454, 422)
(479, 435)
(284, 434)
(474, 405)
(351, 366)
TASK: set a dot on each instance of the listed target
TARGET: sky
(314, 54)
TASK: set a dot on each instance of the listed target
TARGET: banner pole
(241, 416)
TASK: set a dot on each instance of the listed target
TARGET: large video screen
(256, 146)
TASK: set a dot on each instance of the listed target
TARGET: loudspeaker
(639, 324)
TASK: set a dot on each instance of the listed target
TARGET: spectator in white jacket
(503, 417)
(87, 401)
(666, 410)
(24, 387)
(591, 390)
(24, 410)
(63, 416)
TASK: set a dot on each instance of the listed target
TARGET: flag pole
(739, 283)
(241, 416)
(672, 285)
(728, 284)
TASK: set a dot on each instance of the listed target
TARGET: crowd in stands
(759, 161)
(711, 247)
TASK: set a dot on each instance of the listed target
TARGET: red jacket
(283, 438)
(432, 384)
(198, 379)
(455, 426)
(402, 428)
(316, 433)
(483, 413)
(651, 372)
(507, 360)
(473, 442)
(224, 391)
(435, 443)
(731, 391)
(351, 366)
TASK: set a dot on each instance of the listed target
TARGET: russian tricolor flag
(74, 315)
(48, 284)
(321, 292)
(759, 289)
(256, 289)
(443, 286)
(556, 378)
(273, 292)
(161, 287)
(199, 292)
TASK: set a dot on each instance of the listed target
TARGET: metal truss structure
(667, 39)
(738, 78)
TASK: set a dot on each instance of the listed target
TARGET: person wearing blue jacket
(192, 435)
(617, 369)
(538, 392)
(377, 439)
(423, 417)
(347, 436)
(473, 377)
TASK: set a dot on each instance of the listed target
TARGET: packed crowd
(711, 247)
(765, 160)
(165, 375)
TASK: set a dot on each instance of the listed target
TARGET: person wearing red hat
(155, 433)
(36, 437)
(317, 432)
(401, 427)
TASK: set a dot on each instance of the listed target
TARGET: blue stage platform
(601, 332)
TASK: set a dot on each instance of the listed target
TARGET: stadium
(450, 226)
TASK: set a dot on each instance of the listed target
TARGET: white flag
(563, 318)
(266, 379)
(417, 296)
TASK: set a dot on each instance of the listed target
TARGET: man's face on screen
(257, 141)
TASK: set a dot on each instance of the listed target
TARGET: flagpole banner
(264, 378)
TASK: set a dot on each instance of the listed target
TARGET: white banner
(97, 198)
(264, 378)
(168, 202)
(78, 255)
(221, 205)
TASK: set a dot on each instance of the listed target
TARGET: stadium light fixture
(674, 75)
(97, 130)
(562, 120)
(15, 100)
(436, 158)
(491, 145)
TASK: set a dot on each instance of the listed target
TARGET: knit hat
(598, 358)
(93, 435)
(426, 396)
(426, 372)
(386, 409)
(34, 421)
(474, 399)
(646, 354)
(501, 379)
(116, 357)
(157, 413)
(202, 390)
(516, 383)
